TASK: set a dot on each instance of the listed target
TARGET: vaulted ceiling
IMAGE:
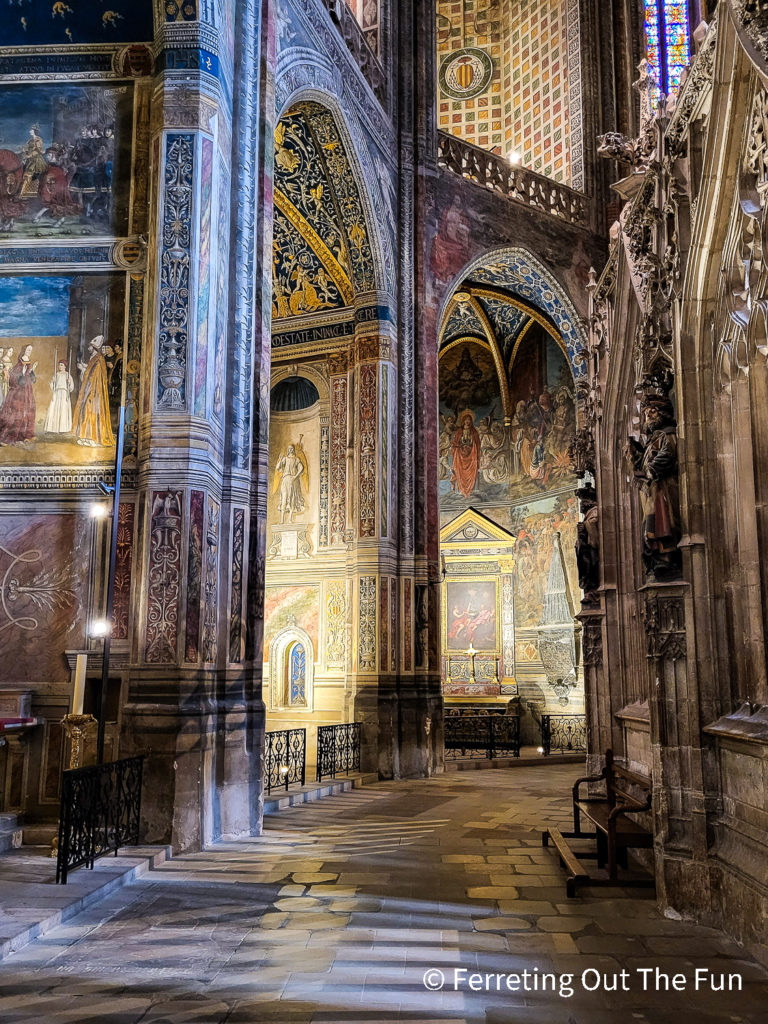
(321, 251)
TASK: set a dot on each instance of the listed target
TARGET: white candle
(77, 700)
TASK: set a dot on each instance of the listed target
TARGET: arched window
(668, 41)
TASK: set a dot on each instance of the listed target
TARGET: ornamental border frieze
(24, 478)
(79, 62)
(182, 107)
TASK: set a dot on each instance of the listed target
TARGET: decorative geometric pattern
(529, 104)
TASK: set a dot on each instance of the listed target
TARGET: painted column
(188, 707)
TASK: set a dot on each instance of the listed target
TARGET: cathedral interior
(383, 490)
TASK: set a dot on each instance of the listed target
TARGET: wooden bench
(626, 792)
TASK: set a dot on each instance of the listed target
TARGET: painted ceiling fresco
(41, 22)
(321, 250)
(516, 275)
(492, 314)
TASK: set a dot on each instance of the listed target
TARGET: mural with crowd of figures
(61, 366)
(483, 460)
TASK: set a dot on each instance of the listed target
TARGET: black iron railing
(482, 736)
(563, 734)
(100, 807)
(285, 758)
(338, 749)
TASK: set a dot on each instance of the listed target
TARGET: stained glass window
(297, 675)
(668, 43)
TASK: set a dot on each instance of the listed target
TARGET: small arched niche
(291, 671)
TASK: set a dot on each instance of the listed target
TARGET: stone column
(189, 706)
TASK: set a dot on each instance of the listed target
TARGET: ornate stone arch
(280, 648)
(523, 274)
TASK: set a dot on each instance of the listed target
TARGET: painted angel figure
(289, 471)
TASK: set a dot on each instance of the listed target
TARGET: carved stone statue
(654, 461)
(588, 544)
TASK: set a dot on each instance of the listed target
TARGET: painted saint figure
(91, 423)
(17, 415)
(288, 473)
(466, 455)
(58, 419)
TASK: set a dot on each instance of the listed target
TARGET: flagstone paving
(348, 910)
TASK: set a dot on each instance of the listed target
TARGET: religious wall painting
(544, 418)
(482, 459)
(65, 159)
(295, 440)
(61, 368)
(291, 481)
(473, 463)
(291, 607)
(471, 615)
(534, 527)
(63, 22)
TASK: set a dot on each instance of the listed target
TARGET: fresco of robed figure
(61, 367)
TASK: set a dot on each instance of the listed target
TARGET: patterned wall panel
(163, 579)
(204, 276)
(175, 270)
(194, 575)
(236, 612)
(368, 429)
(338, 459)
(210, 607)
(123, 567)
(366, 650)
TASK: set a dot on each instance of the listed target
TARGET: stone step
(10, 832)
(40, 835)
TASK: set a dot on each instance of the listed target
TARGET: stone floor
(347, 910)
